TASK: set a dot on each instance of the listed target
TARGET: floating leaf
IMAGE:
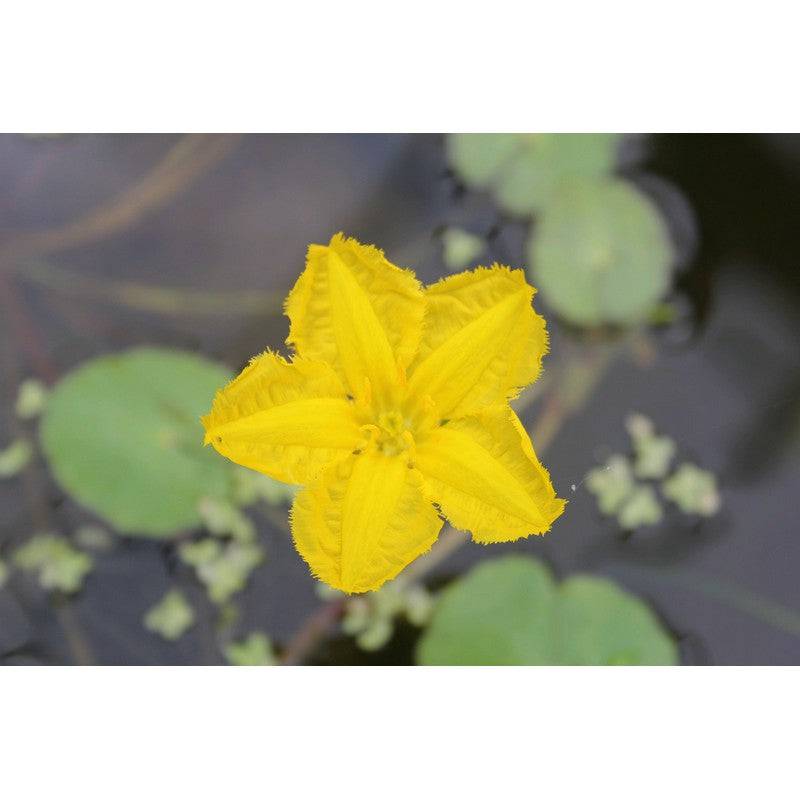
(15, 457)
(59, 564)
(525, 171)
(611, 484)
(600, 253)
(171, 617)
(640, 508)
(694, 490)
(31, 399)
(477, 158)
(549, 161)
(461, 248)
(511, 611)
(122, 435)
(254, 651)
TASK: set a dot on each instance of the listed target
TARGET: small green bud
(31, 399)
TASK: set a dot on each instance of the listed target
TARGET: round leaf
(122, 435)
(525, 170)
(477, 157)
(601, 253)
(530, 181)
(510, 611)
(603, 624)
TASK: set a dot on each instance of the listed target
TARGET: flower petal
(482, 341)
(363, 520)
(287, 420)
(358, 312)
(484, 474)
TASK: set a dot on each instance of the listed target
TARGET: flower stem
(313, 630)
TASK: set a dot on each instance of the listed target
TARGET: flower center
(390, 434)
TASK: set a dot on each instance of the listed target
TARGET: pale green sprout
(371, 618)
(254, 651)
(636, 504)
(171, 617)
(640, 508)
(195, 554)
(223, 569)
(59, 565)
(222, 518)
(93, 537)
(249, 487)
(653, 453)
(693, 490)
(31, 399)
(611, 484)
(461, 248)
(4, 573)
(15, 457)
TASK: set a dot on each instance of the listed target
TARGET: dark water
(725, 383)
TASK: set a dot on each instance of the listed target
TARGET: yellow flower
(396, 400)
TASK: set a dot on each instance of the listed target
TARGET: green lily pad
(525, 171)
(477, 158)
(511, 611)
(122, 435)
(601, 254)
